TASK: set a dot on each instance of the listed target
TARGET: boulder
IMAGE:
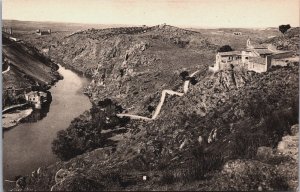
(289, 146)
(264, 153)
(294, 130)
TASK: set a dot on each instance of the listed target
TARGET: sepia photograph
(150, 95)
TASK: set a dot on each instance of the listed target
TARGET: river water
(27, 146)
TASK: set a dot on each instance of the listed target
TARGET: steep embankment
(161, 101)
(25, 68)
(219, 125)
(133, 65)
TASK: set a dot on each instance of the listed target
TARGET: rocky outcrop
(287, 41)
(289, 144)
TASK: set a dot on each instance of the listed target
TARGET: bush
(80, 183)
(225, 48)
(84, 134)
(184, 75)
(75, 140)
(284, 28)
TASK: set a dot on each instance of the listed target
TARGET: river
(27, 146)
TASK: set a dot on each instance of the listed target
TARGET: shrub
(151, 108)
(184, 75)
(193, 81)
(284, 28)
(75, 140)
(225, 48)
(84, 134)
(167, 178)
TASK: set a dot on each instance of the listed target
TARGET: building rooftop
(256, 45)
(230, 53)
(37, 93)
(263, 51)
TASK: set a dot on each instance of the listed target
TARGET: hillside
(133, 65)
(225, 36)
(288, 41)
(24, 68)
(184, 148)
(230, 131)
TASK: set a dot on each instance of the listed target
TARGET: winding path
(7, 70)
(161, 102)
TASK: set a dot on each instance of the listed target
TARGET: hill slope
(128, 64)
(184, 148)
(288, 41)
(25, 68)
(212, 138)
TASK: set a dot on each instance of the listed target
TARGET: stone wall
(259, 68)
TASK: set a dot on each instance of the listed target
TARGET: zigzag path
(161, 102)
(7, 70)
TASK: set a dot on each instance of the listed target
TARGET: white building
(258, 58)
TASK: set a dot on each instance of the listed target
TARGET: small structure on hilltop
(14, 39)
(36, 98)
(162, 25)
(40, 32)
(7, 30)
(237, 33)
(258, 58)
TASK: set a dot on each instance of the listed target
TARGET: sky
(194, 13)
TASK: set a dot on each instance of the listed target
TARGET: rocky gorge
(229, 132)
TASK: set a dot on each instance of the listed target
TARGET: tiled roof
(230, 53)
(259, 46)
(263, 51)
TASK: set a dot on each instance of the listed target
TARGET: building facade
(36, 98)
(258, 58)
(40, 32)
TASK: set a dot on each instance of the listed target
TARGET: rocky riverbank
(10, 120)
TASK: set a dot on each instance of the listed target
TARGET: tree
(193, 81)
(84, 132)
(284, 28)
(184, 75)
(151, 108)
(225, 48)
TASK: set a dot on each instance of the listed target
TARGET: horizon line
(130, 24)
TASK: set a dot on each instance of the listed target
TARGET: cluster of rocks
(288, 41)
